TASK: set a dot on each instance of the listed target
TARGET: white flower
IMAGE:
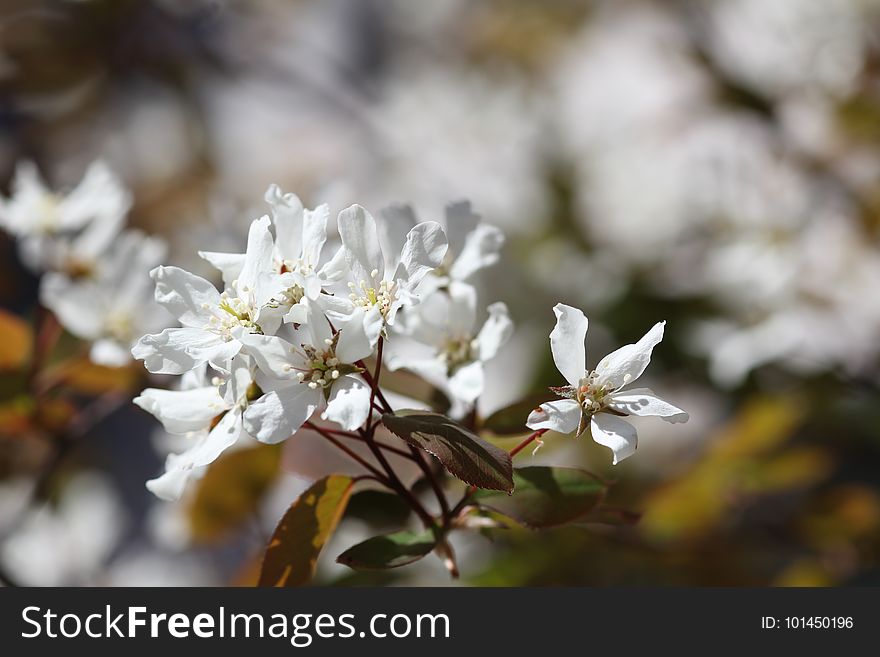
(64, 232)
(378, 283)
(114, 305)
(300, 235)
(473, 245)
(599, 396)
(209, 414)
(309, 367)
(68, 543)
(790, 46)
(213, 322)
(445, 321)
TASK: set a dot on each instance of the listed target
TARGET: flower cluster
(289, 333)
(94, 271)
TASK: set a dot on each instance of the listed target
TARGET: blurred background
(712, 163)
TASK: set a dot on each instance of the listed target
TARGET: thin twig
(402, 490)
(528, 441)
(381, 445)
(416, 455)
(432, 480)
(355, 456)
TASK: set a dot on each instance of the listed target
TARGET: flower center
(367, 294)
(119, 326)
(322, 367)
(589, 394)
(234, 313)
(47, 213)
(457, 352)
(289, 297)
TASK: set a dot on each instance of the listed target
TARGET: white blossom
(213, 322)
(790, 46)
(113, 306)
(601, 396)
(60, 231)
(300, 235)
(208, 413)
(445, 326)
(68, 543)
(306, 367)
(473, 244)
(381, 283)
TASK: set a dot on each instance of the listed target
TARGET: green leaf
(293, 552)
(546, 497)
(379, 508)
(231, 491)
(463, 453)
(511, 420)
(388, 551)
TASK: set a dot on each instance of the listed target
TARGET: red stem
(354, 455)
(528, 441)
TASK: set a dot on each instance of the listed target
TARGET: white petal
(461, 318)
(397, 221)
(481, 249)
(287, 215)
(363, 253)
(461, 221)
(467, 382)
(445, 314)
(349, 403)
(567, 342)
(354, 345)
(561, 415)
(279, 414)
(642, 401)
(495, 332)
(373, 323)
(127, 266)
(312, 286)
(182, 411)
(336, 268)
(258, 256)
(96, 238)
(272, 354)
(314, 234)
(337, 308)
(228, 264)
(235, 387)
(625, 365)
(298, 314)
(78, 306)
(110, 353)
(423, 251)
(434, 369)
(616, 434)
(179, 467)
(178, 350)
(171, 484)
(99, 196)
(185, 295)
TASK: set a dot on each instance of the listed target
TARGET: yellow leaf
(91, 379)
(293, 552)
(231, 491)
(16, 341)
